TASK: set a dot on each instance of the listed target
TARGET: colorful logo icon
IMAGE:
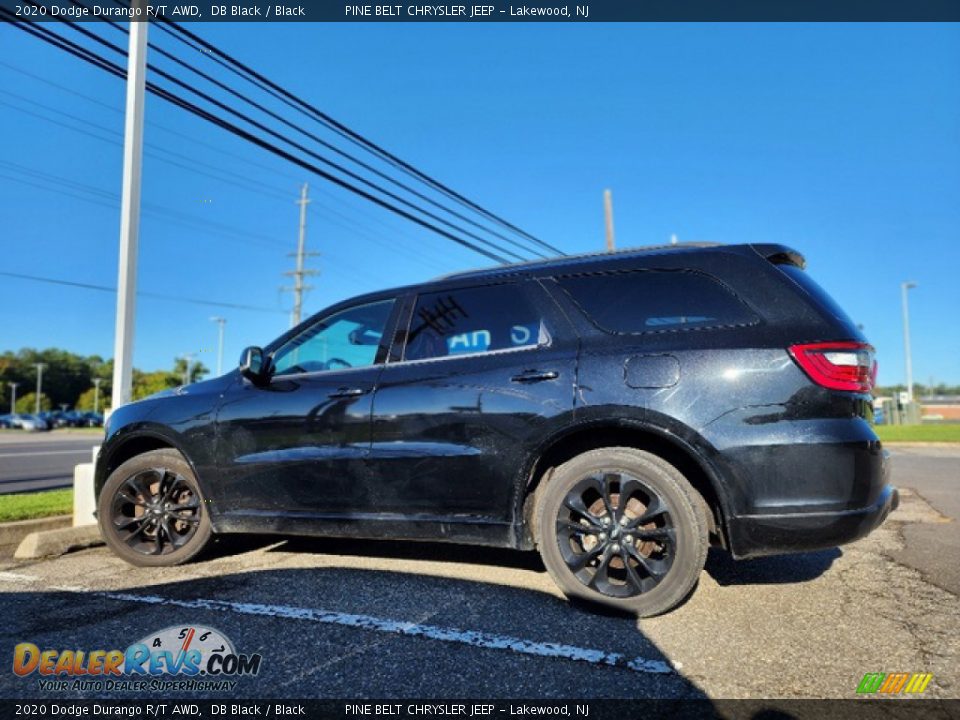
(894, 683)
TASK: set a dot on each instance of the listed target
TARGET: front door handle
(530, 376)
(347, 392)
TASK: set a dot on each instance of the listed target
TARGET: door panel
(299, 444)
(451, 433)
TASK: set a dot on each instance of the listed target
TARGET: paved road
(932, 547)
(42, 461)
(388, 619)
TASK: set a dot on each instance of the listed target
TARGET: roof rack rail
(509, 267)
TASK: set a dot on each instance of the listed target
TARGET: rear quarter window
(649, 301)
(817, 293)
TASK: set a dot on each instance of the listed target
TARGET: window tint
(816, 292)
(349, 338)
(474, 320)
(655, 301)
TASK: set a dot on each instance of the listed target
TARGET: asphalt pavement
(42, 461)
(363, 619)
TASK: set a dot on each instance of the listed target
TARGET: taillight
(838, 365)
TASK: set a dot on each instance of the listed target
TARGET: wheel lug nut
(615, 547)
(603, 536)
(628, 540)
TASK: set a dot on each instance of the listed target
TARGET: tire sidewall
(175, 462)
(663, 479)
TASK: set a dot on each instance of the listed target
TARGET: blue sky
(840, 140)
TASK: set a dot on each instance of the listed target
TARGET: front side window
(346, 339)
(471, 321)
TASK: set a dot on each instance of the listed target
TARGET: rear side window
(471, 321)
(645, 301)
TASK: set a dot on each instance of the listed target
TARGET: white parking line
(17, 577)
(472, 638)
(398, 627)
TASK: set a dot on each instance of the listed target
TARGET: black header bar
(486, 11)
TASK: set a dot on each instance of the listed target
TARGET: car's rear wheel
(151, 511)
(623, 528)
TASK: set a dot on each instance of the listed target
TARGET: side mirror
(252, 365)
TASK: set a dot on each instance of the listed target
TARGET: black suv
(618, 412)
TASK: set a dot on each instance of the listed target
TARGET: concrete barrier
(84, 504)
(13, 533)
(57, 542)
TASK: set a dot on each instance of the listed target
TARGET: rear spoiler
(780, 254)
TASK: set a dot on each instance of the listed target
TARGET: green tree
(86, 400)
(28, 403)
(145, 384)
(197, 370)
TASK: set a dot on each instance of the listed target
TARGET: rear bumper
(754, 535)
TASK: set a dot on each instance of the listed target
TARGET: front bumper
(754, 535)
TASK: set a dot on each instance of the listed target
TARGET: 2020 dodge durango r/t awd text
(617, 412)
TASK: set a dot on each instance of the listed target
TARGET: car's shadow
(772, 570)
(342, 632)
(776, 569)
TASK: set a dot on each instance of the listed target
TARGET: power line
(315, 138)
(306, 108)
(302, 148)
(348, 222)
(92, 58)
(157, 152)
(158, 296)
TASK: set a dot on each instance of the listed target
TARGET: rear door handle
(529, 376)
(347, 392)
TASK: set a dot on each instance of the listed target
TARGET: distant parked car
(6, 421)
(30, 423)
(54, 418)
(91, 419)
(74, 418)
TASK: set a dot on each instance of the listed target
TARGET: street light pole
(13, 397)
(96, 394)
(186, 372)
(40, 367)
(904, 287)
(130, 209)
(221, 322)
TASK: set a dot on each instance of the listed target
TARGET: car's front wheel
(622, 527)
(151, 511)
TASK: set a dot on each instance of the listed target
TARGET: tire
(641, 555)
(177, 530)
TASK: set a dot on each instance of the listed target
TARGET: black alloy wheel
(621, 527)
(152, 512)
(156, 511)
(616, 534)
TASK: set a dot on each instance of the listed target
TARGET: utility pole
(96, 394)
(298, 287)
(221, 322)
(130, 210)
(904, 287)
(608, 214)
(13, 397)
(39, 367)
